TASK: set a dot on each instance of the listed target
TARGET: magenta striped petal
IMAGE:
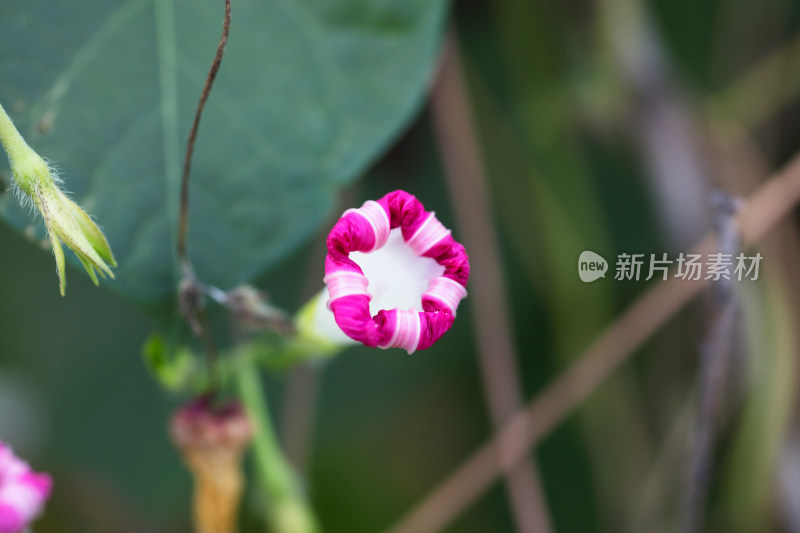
(22, 492)
(366, 229)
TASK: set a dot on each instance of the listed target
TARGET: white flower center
(397, 276)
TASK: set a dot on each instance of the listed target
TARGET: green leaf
(174, 368)
(309, 93)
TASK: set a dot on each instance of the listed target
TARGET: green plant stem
(287, 510)
(12, 141)
(26, 165)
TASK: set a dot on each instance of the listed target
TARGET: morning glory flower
(22, 492)
(394, 277)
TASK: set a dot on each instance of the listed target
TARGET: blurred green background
(602, 126)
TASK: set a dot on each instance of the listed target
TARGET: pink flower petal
(22, 492)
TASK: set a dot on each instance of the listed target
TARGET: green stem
(287, 509)
(12, 141)
(28, 169)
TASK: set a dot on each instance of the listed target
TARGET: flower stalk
(287, 510)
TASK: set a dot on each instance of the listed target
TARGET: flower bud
(36, 182)
(212, 441)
